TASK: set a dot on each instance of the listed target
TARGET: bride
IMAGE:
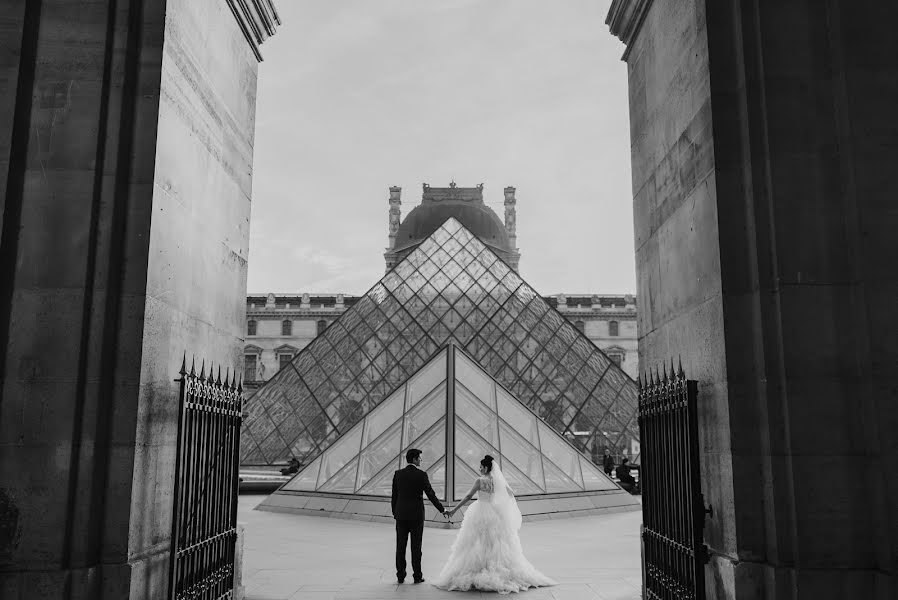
(487, 553)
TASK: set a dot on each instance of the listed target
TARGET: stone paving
(294, 557)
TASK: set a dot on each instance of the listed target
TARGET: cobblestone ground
(298, 557)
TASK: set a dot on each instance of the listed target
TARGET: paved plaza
(302, 557)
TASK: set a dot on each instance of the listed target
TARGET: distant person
(293, 466)
(627, 481)
(608, 464)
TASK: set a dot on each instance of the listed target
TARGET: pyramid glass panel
(556, 480)
(520, 419)
(470, 447)
(432, 444)
(384, 415)
(423, 415)
(437, 475)
(379, 454)
(465, 476)
(381, 485)
(522, 454)
(343, 482)
(471, 410)
(593, 478)
(557, 452)
(451, 288)
(307, 479)
(473, 378)
(535, 459)
(344, 450)
(519, 482)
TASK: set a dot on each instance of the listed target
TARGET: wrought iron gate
(204, 521)
(673, 512)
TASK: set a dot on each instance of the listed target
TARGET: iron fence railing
(673, 510)
(204, 523)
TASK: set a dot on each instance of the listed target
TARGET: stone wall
(762, 136)
(126, 156)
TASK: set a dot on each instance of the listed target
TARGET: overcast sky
(358, 95)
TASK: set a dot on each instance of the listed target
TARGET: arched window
(616, 357)
(580, 325)
(286, 327)
(322, 325)
(613, 328)
(250, 327)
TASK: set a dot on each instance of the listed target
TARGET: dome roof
(478, 218)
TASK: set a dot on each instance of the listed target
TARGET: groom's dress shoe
(419, 580)
(401, 580)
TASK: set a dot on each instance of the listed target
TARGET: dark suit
(408, 510)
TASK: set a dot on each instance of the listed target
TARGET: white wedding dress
(487, 554)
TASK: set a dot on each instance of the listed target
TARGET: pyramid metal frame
(462, 388)
(451, 287)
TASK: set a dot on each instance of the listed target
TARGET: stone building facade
(763, 145)
(126, 152)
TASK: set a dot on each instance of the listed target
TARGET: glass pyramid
(452, 287)
(450, 407)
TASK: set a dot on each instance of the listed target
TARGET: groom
(408, 510)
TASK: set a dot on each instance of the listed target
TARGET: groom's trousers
(404, 528)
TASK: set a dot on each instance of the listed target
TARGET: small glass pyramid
(463, 416)
(451, 288)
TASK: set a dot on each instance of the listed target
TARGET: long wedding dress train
(487, 553)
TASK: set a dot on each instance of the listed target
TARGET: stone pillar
(126, 138)
(763, 149)
(511, 227)
(395, 215)
(511, 216)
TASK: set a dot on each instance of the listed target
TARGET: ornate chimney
(395, 214)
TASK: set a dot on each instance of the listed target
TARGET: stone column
(511, 216)
(763, 145)
(126, 137)
(395, 214)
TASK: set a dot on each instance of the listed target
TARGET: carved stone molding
(625, 18)
(257, 19)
